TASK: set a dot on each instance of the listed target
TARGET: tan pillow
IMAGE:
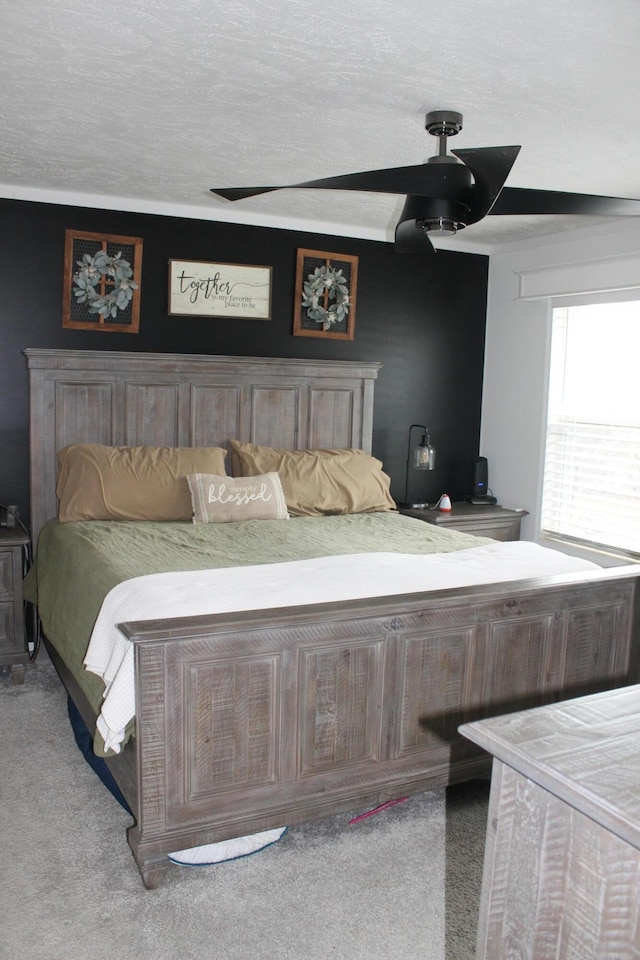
(250, 458)
(222, 499)
(97, 482)
(321, 482)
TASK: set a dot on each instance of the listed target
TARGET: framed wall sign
(203, 289)
(101, 289)
(325, 295)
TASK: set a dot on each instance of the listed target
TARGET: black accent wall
(422, 318)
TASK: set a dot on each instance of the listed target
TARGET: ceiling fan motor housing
(448, 211)
(444, 217)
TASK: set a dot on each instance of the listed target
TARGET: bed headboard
(133, 399)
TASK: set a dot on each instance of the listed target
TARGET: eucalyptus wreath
(326, 285)
(91, 273)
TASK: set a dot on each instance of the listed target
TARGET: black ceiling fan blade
(241, 193)
(411, 239)
(490, 167)
(422, 179)
(520, 200)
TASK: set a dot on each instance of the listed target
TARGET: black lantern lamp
(421, 457)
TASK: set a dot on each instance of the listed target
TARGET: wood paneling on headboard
(172, 400)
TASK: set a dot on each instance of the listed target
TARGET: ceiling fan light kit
(454, 190)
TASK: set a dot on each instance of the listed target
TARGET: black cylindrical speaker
(480, 478)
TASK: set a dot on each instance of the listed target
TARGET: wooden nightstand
(13, 651)
(484, 521)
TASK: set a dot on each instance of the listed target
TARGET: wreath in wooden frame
(91, 273)
(326, 285)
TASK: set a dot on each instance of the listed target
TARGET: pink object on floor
(379, 809)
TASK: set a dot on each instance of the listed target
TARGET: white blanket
(298, 582)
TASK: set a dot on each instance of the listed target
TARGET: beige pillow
(222, 499)
(97, 482)
(321, 482)
(247, 459)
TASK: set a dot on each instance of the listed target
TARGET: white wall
(516, 357)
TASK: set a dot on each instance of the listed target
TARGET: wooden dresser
(562, 863)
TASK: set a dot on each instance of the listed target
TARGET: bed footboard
(247, 722)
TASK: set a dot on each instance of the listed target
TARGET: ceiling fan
(450, 192)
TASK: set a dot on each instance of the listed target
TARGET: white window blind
(591, 490)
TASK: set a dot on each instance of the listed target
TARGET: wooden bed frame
(335, 707)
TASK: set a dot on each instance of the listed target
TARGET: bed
(335, 705)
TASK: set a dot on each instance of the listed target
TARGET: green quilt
(77, 564)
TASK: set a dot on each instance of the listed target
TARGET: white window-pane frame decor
(591, 490)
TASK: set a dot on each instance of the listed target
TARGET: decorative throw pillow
(222, 499)
(321, 482)
(97, 482)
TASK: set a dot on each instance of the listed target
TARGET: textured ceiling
(145, 104)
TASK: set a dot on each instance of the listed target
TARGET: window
(591, 491)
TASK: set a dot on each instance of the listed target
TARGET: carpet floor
(401, 885)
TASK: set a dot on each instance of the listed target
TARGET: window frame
(603, 554)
